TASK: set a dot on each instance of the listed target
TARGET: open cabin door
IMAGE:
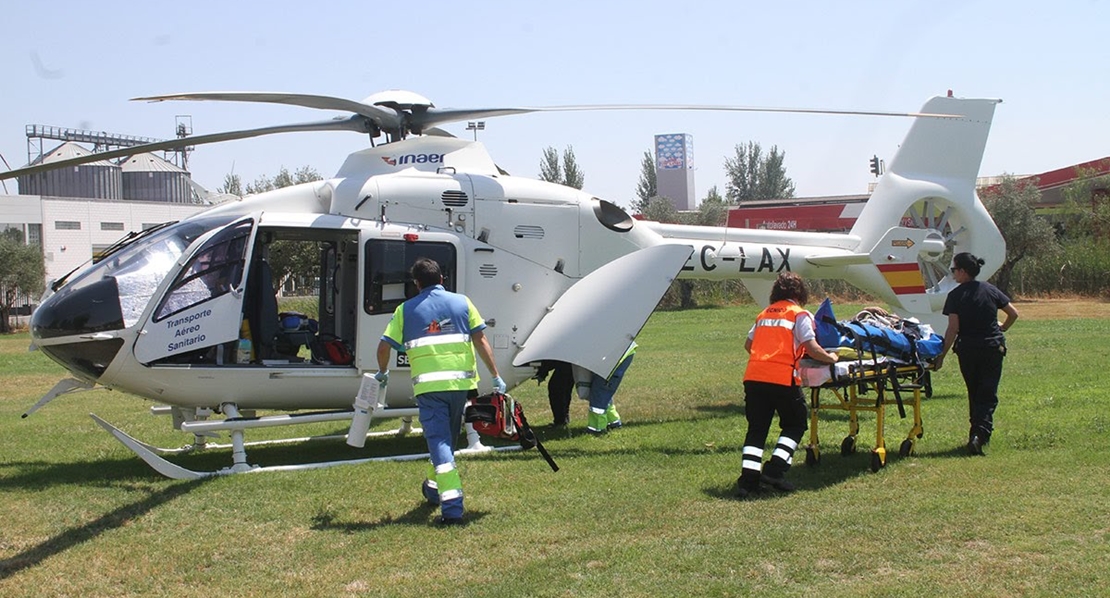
(386, 260)
(202, 307)
(595, 321)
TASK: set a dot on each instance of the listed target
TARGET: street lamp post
(476, 126)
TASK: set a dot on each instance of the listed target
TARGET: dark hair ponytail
(968, 263)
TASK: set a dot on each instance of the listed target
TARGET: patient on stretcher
(875, 333)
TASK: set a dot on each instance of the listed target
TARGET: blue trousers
(602, 390)
(441, 417)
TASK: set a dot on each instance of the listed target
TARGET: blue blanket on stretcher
(902, 339)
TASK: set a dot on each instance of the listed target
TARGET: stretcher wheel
(812, 458)
(848, 446)
(877, 462)
(906, 449)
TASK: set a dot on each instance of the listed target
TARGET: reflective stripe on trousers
(441, 418)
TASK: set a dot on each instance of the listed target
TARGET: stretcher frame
(888, 380)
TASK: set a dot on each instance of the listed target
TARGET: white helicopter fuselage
(557, 273)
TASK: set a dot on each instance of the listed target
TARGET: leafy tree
(752, 176)
(232, 185)
(713, 211)
(647, 188)
(550, 168)
(1011, 205)
(565, 172)
(22, 271)
(287, 258)
(572, 174)
(260, 185)
(660, 209)
(1086, 210)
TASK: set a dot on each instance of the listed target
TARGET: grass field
(644, 511)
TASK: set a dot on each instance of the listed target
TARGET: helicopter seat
(296, 330)
(261, 310)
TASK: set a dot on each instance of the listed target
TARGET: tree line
(1062, 250)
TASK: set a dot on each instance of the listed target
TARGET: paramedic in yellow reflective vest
(440, 331)
(603, 413)
(783, 333)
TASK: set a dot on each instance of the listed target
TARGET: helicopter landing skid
(172, 470)
(406, 428)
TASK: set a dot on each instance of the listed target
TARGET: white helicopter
(561, 274)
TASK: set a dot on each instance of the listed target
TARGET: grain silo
(99, 180)
(150, 178)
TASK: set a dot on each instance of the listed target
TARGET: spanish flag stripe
(904, 267)
(903, 279)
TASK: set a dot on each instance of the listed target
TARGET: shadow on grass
(77, 535)
(417, 516)
(832, 467)
(39, 475)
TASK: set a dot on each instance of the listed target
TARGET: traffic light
(875, 168)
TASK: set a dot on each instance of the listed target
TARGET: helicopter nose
(83, 315)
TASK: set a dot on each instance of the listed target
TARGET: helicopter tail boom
(925, 208)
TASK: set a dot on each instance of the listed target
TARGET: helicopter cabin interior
(323, 262)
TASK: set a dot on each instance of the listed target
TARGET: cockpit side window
(214, 270)
(387, 276)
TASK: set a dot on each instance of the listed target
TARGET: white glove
(499, 385)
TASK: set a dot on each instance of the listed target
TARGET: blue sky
(75, 64)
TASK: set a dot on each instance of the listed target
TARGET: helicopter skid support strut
(150, 454)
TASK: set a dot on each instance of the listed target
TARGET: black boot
(747, 487)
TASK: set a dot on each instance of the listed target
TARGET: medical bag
(498, 415)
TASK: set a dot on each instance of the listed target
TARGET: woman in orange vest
(783, 333)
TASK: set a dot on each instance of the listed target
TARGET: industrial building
(75, 213)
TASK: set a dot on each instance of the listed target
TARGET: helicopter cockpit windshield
(113, 293)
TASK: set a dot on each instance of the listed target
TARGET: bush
(719, 293)
(1082, 268)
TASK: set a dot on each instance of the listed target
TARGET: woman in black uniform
(977, 338)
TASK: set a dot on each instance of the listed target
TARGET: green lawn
(644, 511)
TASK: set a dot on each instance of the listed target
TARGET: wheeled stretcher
(867, 385)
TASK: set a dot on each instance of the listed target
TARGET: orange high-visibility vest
(774, 358)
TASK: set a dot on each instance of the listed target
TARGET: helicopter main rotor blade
(385, 118)
(435, 117)
(357, 123)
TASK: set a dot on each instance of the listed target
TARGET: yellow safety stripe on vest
(441, 376)
(439, 339)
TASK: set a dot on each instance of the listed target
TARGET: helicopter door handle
(99, 336)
